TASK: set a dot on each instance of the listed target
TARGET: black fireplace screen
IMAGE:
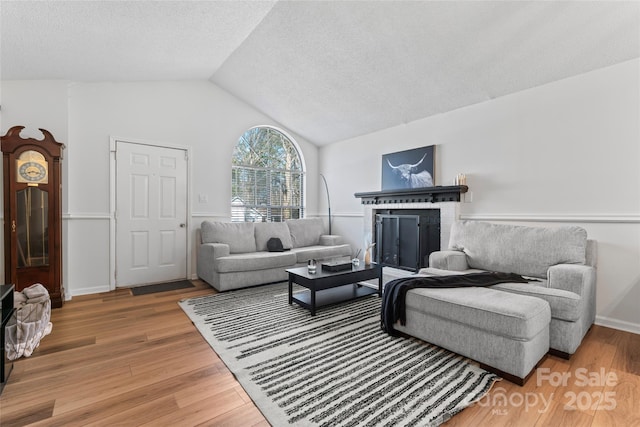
(405, 240)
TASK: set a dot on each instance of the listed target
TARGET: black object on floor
(161, 287)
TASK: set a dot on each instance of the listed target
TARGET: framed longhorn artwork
(409, 169)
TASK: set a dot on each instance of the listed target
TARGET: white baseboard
(618, 324)
(88, 291)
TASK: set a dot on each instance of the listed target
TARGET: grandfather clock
(32, 212)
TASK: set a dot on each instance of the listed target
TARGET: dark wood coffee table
(326, 288)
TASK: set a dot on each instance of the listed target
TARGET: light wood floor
(117, 359)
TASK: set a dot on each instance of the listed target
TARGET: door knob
(183, 225)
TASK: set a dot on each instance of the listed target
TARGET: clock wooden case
(33, 212)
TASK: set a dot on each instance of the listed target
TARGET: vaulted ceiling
(327, 70)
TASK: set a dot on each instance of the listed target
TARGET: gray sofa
(506, 326)
(235, 255)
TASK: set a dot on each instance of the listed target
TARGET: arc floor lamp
(326, 187)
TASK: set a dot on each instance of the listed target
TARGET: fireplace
(441, 201)
(405, 237)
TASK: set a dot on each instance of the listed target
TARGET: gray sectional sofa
(235, 255)
(509, 327)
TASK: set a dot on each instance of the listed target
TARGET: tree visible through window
(267, 177)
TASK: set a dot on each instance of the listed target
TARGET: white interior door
(151, 214)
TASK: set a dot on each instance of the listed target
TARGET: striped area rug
(334, 369)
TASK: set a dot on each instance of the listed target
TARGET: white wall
(566, 152)
(198, 114)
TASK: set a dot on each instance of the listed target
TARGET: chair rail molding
(573, 218)
(87, 216)
(209, 215)
(344, 215)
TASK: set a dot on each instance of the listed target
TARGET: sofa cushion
(512, 316)
(255, 261)
(305, 231)
(528, 251)
(240, 236)
(565, 305)
(321, 252)
(331, 240)
(266, 230)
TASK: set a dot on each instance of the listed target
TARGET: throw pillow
(274, 244)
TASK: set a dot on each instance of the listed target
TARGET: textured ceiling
(122, 40)
(327, 70)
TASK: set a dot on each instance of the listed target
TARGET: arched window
(267, 177)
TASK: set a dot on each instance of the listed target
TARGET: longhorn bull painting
(408, 169)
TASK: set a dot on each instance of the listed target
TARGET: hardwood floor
(117, 359)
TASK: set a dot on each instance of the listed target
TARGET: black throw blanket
(395, 292)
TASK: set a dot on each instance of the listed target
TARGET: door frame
(113, 140)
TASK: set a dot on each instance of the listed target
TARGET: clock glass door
(32, 227)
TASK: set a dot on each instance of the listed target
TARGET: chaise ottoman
(507, 333)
